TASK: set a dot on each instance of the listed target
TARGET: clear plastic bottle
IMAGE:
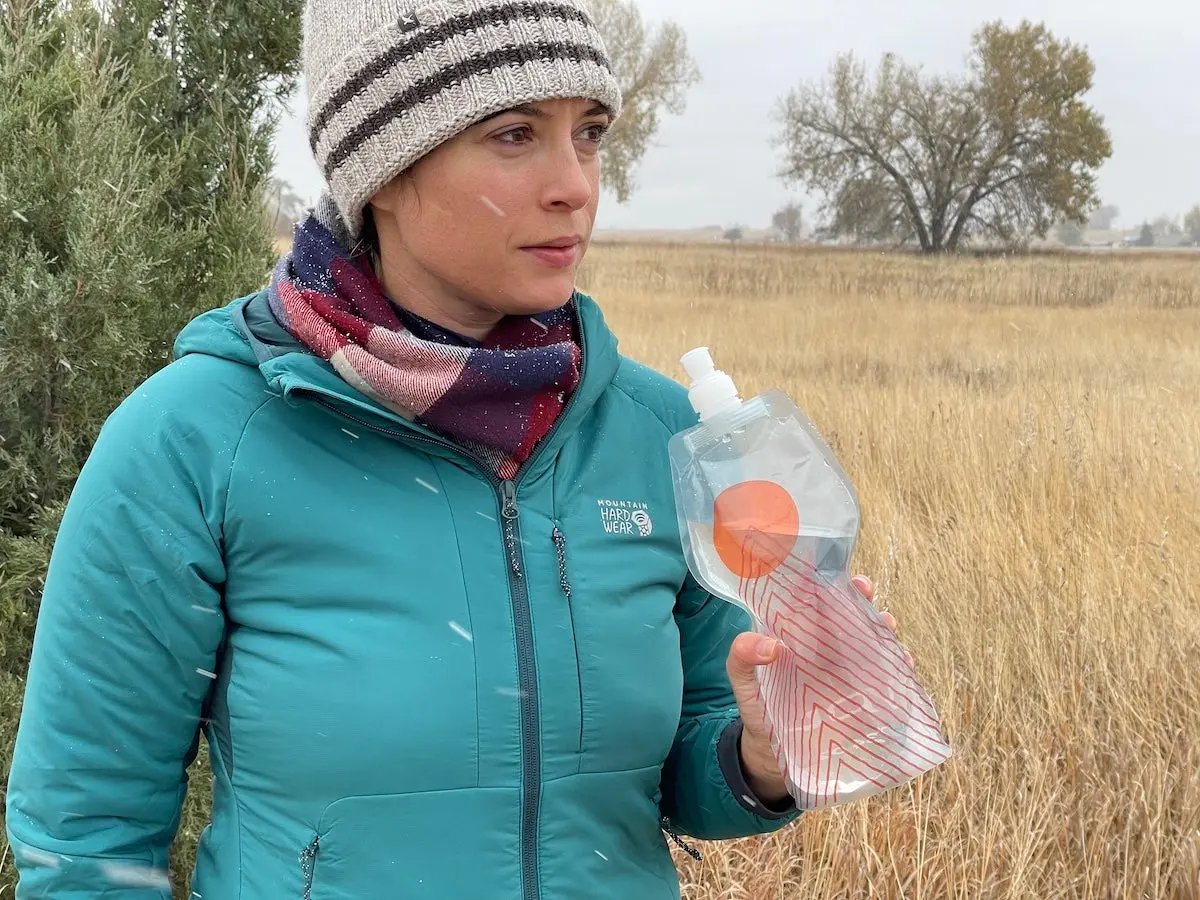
(769, 521)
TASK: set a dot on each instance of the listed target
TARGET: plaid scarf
(496, 398)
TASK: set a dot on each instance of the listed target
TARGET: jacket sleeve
(705, 793)
(123, 659)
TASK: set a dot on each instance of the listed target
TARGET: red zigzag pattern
(842, 703)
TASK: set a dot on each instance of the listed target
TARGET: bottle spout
(698, 363)
(712, 391)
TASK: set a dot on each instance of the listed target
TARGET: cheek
(464, 232)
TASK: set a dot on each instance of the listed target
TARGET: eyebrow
(529, 109)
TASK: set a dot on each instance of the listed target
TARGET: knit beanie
(389, 80)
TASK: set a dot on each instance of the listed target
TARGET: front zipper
(308, 864)
(523, 627)
(531, 763)
(522, 620)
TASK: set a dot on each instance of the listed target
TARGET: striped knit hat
(389, 80)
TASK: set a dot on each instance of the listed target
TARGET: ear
(402, 189)
(387, 198)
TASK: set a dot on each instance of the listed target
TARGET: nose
(569, 180)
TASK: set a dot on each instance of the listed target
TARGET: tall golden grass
(1024, 434)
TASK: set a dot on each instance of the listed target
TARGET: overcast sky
(714, 164)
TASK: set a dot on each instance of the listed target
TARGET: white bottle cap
(712, 391)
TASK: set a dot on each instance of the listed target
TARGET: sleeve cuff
(730, 760)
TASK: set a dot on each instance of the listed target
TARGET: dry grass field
(1024, 434)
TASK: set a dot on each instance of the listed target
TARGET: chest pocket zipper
(564, 581)
(308, 864)
(665, 825)
(560, 548)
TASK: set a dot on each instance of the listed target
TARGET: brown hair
(368, 239)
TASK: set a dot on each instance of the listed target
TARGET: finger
(888, 619)
(864, 585)
(750, 650)
(746, 654)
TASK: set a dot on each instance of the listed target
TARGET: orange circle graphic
(755, 526)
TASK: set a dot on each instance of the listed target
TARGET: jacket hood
(243, 331)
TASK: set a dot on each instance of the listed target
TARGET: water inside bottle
(770, 521)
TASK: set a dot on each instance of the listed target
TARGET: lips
(556, 244)
(558, 253)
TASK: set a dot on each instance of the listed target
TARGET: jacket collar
(300, 376)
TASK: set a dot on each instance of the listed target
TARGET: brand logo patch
(625, 517)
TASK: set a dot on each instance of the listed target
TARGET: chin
(536, 297)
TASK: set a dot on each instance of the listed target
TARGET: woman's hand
(749, 651)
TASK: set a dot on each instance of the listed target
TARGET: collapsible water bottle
(769, 520)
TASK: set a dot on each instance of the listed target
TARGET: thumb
(748, 651)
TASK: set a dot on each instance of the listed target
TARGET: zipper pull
(308, 864)
(665, 825)
(509, 512)
(560, 550)
(508, 491)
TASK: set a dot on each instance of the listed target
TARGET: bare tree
(1165, 226)
(1191, 224)
(1005, 151)
(866, 209)
(1070, 233)
(655, 70)
(282, 207)
(1104, 217)
(788, 221)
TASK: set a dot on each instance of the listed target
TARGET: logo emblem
(625, 517)
(641, 519)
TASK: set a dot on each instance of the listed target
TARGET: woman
(397, 533)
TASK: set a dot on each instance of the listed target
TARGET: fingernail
(766, 648)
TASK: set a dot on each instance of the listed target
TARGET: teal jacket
(415, 680)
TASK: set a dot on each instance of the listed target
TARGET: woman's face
(464, 233)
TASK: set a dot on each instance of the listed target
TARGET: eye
(596, 131)
(509, 137)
